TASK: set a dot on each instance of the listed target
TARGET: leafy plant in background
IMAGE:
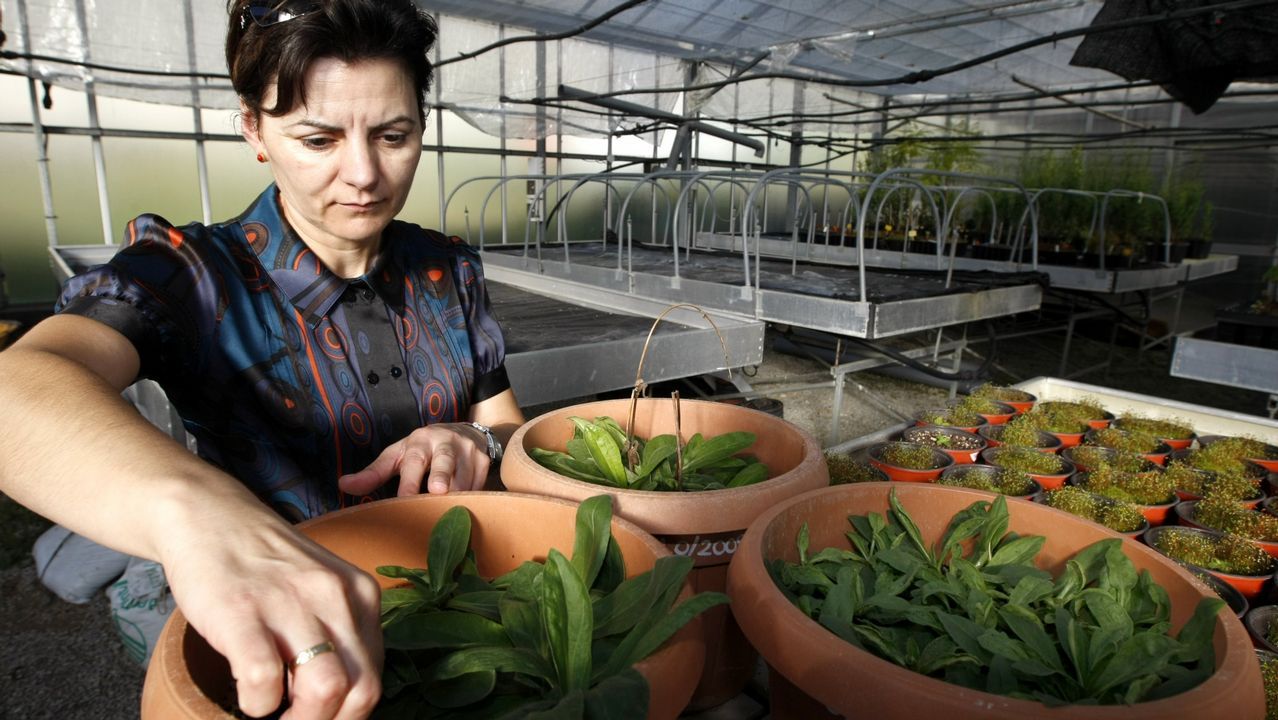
(1003, 481)
(1142, 488)
(910, 455)
(1222, 553)
(1226, 515)
(1114, 514)
(595, 455)
(1196, 481)
(1028, 460)
(557, 639)
(1163, 429)
(1127, 441)
(975, 610)
(1095, 456)
(1024, 431)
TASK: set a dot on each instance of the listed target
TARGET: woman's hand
(441, 458)
(261, 593)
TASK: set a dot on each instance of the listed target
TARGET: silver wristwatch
(494, 445)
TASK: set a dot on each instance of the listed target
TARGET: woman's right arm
(257, 590)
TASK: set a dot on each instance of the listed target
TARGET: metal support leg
(833, 437)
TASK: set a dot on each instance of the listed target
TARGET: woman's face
(344, 160)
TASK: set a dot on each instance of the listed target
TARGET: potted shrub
(1050, 471)
(1230, 558)
(1248, 449)
(1090, 457)
(1087, 410)
(844, 470)
(1223, 514)
(818, 674)
(186, 678)
(1262, 624)
(961, 445)
(703, 525)
(908, 462)
(1177, 434)
(1121, 517)
(994, 412)
(1020, 400)
(955, 417)
(1020, 431)
(991, 479)
(1130, 441)
(1193, 483)
(1061, 420)
(1150, 490)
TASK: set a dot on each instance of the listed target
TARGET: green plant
(1027, 460)
(1118, 516)
(1243, 447)
(1095, 456)
(1064, 417)
(975, 611)
(1226, 515)
(661, 463)
(1163, 429)
(1141, 488)
(910, 455)
(845, 470)
(981, 405)
(1222, 458)
(1269, 674)
(1001, 393)
(1127, 441)
(956, 416)
(1023, 431)
(558, 637)
(1223, 553)
(1003, 481)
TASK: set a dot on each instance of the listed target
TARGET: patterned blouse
(287, 375)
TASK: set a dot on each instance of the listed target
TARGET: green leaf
(614, 429)
(417, 576)
(580, 451)
(620, 697)
(1140, 655)
(565, 465)
(715, 449)
(521, 620)
(656, 452)
(604, 449)
(1073, 639)
(463, 690)
(965, 634)
(613, 570)
(903, 519)
(803, 543)
(650, 593)
(645, 638)
(443, 629)
(749, 475)
(448, 542)
(1196, 636)
(1019, 551)
(1028, 628)
(497, 659)
(594, 532)
(568, 622)
(482, 603)
(398, 672)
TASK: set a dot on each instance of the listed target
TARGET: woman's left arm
(444, 457)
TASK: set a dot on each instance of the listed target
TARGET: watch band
(494, 445)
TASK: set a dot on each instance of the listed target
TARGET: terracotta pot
(940, 461)
(1020, 404)
(1257, 622)
(969, 444)
(1185, 515)
(1158, 455)
(1049, 481)
(1249, 503)
(1269, 462)
(1155, 514)
(1067, 439)
(188, 679)
(993, 434)
(704, 525)
(1004, 413)
(1072, 454)
(1237, 603)
(1251, 586)
(1180, 443)
(1102, 422)
(840, 679)
(964, 428)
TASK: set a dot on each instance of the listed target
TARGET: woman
(316, 348)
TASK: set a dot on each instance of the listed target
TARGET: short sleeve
(152, 292)
(488, 347)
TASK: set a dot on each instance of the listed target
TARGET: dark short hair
(346, 30)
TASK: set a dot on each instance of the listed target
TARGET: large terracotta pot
(187, 679)
(822, 674)
(704, 525)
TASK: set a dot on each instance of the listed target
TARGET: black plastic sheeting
(813, 279)
(535, 322)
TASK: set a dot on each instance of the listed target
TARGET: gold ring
(311, 653)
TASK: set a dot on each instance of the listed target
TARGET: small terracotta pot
(1048, 481)
(1181, 443)
(1005, 413)
(991, 472)
(1249, 503)
(188, 680)
(993, 434)
(1072, 454)
(921, 434)
(1237, 603)
(1257, 621)
(1185, 515)
(1158, 455)
(940, 461)
(1155, 514)
(1251, 586)
(832, 677)
(1102, 422)
(704, 525)
(964, 428)
(1067, 439)
(1020, 405)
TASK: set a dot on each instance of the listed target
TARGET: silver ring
(311, 653)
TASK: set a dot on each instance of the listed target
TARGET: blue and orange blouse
(287, 375)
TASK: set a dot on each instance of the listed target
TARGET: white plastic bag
(140, 605)
(74, 567)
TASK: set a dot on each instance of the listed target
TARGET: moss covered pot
(704, 525)
(961, 445)
(187, 679)
(1234, 560)
(1050, 471)
(908, 462)
(816, 674)
(1262, 625)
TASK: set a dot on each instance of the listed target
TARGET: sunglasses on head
(265, 13)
